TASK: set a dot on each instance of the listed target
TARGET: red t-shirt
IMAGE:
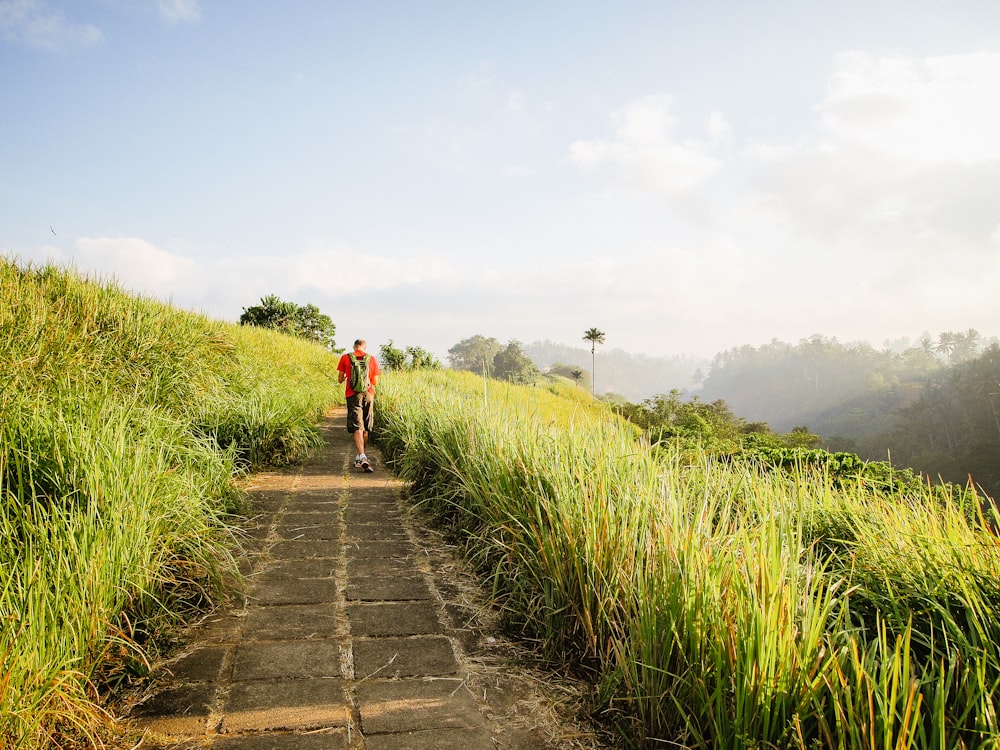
(344, 366)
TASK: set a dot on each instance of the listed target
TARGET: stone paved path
(341, 642)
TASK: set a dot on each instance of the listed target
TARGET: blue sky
(685, 176)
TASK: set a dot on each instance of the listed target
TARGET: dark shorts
(360, 411)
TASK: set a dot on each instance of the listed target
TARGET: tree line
(487, 356)
(933, 407)
(510, 361)
(952, 428)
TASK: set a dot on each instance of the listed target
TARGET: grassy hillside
(716, 603)
(123, 423)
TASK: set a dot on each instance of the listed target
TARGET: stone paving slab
(431, 739)
(202, 664)
(319, 503)
(182, 710)
(393, 618)
(295, 591)
(269, 660)
(267, 501)
(304, 548)
(374, 588)
(335, 740)
(298, 569)
(393, 706)
(379, 491)
(271, 486)
(338, 484)
(375, 532)
(219, 629)
(375, 548)
(309, 518)
(383, 566)
(291, 622)
(287, 705)
(419, 656)
(372, 513)
(307, 531)
(259, 530)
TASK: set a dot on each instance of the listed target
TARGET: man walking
(360, 371)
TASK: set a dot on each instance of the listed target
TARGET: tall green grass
(123, 423)
(715, 603)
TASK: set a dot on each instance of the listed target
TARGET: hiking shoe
(366, 465)
(357, 461)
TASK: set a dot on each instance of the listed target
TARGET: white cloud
(719, 130)
(645, 156)
(326, 268)
(903, 168)
(218, 284)
(699, 298)
(135, 262)
(180, 11)
(938, 109)
(33, 23)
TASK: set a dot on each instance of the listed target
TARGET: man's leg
(355, 422)
(367, 418)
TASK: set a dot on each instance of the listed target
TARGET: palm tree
(966, 345)
(947, 342)
(595, 336)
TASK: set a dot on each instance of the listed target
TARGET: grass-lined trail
(713, 601)
(352, 635)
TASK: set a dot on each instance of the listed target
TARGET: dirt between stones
(359, 628)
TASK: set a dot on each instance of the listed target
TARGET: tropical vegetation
(124, 424)
(932, 408)
(487, 356)
(305, 321)
(413, 357)
(594, 336)
(715, 598)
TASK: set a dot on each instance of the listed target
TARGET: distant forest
(930, 407)
(632, 376)
(933, 407)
